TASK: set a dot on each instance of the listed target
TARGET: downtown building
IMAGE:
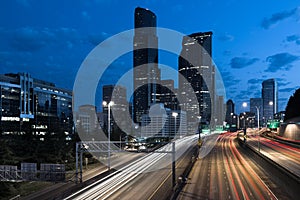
(118, 95)
(163, 122)
(196, 76)
(33, 106)
(269, 99)
(256, 106)
(229, 111)
(145, 63)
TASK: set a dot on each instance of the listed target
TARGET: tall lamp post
(245, 106)
(111, 103)
(175, 114)
(200, 130)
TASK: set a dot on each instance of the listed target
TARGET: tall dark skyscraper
(269, 99)
(229, 111)
(145, 62)
(194, 64)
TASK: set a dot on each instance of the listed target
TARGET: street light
(245, 105)
(199, 130)
(175, 114)
(109, 105)
(257, 109)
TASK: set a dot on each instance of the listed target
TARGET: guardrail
(279, 173)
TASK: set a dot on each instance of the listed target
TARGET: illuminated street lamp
(245, 106)
(109, 105)
(175, 114)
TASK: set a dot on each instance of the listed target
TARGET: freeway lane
(225, 173)
(141, 179)
(285, 155)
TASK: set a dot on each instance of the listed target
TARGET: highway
(283, 154)
(226, 173)
(143, 178)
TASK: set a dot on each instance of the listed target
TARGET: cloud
(244, 94)
(229, 79)
(241, 62)
(226, 38)
(287, 89)
(29, 39)
(227, 53)
(280, 61)
(255, 81)
(281, 82)
(293, 38)
(276, 17)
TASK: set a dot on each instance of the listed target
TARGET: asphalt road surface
(225, 173)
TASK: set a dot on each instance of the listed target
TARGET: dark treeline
(293, 106)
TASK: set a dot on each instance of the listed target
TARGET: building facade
(164, 122)
(145, 62)
(256, 106)
(29, 105)
(269, 99)
(118, 95)
(196, 70)
(229, 112)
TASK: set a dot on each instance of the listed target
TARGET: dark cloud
(30, 39)
(226, 38)
(229, 79)
(226, 53)
(280, 61)
(287, 89)
(254, 88)
(241, 62)
(281, 82)
(276, 17)
(293, 38)
(244, 94)
(257, 94)
(255, 81)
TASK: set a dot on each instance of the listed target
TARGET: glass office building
(29, 105)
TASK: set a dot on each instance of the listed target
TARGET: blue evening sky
(252, 40)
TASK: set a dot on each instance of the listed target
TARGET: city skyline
(247, 48)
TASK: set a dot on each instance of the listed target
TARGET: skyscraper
(229, 111)
(117, 94)
(145, 59)
(269, 99)
(195, 66)
(256, 105)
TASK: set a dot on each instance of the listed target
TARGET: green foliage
(293, 106)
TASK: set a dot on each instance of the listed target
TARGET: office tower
(167, 94)
(30, 105)
(117, 94)
(269, 99)
(145, 62)
(195, 67)
(229, 111)
(256, 107)
(220, 114)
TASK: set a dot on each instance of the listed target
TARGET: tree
(293, 106)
